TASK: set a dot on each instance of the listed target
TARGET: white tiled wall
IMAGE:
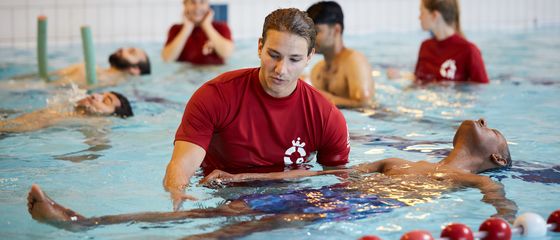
(149, 20)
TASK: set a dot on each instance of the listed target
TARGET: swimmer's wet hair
(145, 66)
(291, 20)
(125, 110)
(326, 12)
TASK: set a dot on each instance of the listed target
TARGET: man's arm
(494, 194)
(222, 46)
(360, 83)
(186, 159)
(173, 49)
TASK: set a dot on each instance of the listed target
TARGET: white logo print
(297, 147)
(448, 69)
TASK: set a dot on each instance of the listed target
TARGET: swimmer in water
(397, 183)
(86, 110)
(124, 62)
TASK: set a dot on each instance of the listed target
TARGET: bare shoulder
(355, 56)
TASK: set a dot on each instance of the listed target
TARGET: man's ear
(309, 56)
(260, 46)
(134, 71)
(498, 159)
(338, 28)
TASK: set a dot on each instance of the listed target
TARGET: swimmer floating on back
(477, 148)
(88, 109)
(124, 63)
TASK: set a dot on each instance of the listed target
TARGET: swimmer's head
(132, 60)
(291, 20)
(326, 12)
(105, 104)
(447, 10)
(485, 143)
(195, 10)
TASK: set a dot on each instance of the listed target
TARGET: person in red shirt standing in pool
(447, 56)
(198, 40)
(264, 117)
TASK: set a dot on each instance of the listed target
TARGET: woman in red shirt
(199, 39)
(447, 56)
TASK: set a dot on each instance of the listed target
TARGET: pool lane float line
(528, 225)
(89, 55)
(42, 47)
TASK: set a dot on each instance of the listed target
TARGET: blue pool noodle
(42, 47)
(89, 55)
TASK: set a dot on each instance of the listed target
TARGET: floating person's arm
(222, 45)
(186, 158)
(173, 48)
(245, 177)
(494, 194)
(380, 166)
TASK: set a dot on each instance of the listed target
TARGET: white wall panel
(149, 20)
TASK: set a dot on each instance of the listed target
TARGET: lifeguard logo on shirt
(448, 69)
(295, 152)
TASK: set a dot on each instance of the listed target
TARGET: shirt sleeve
(172, 33)
(200, 118)
(335, 145)
(477, 71)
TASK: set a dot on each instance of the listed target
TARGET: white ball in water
(533, 225)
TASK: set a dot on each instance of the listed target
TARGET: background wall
(149, 20)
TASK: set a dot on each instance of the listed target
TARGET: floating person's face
(98, 104)
(427, 18)
(127, 59)
(196, 10)
(481, 140)
(325, 37)
(283, 57)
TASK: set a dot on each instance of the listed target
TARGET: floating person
(448, 55)
(199, 39)
(124, 63)
(394, 183)
(344, 75)
(89, 110)
(263, 117)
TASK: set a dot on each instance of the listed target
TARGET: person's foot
(44, 209)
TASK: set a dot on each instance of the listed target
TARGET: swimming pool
(119, 168)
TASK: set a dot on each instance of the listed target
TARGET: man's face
(479, 138)
(99, 104)
(325, 37)
(195, 10)
(125, 58)
(283, 57)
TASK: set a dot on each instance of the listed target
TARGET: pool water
(119, 167)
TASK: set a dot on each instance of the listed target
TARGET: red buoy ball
(496, 229)
(417, 235)
(369, 237)
(457, 231)
(554, 218)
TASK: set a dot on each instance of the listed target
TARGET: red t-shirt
(241, 127)
(192, 52)
(452, 59)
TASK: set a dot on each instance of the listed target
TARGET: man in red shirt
(264, 117)
(199, 40)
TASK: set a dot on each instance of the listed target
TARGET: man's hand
(178, 197)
